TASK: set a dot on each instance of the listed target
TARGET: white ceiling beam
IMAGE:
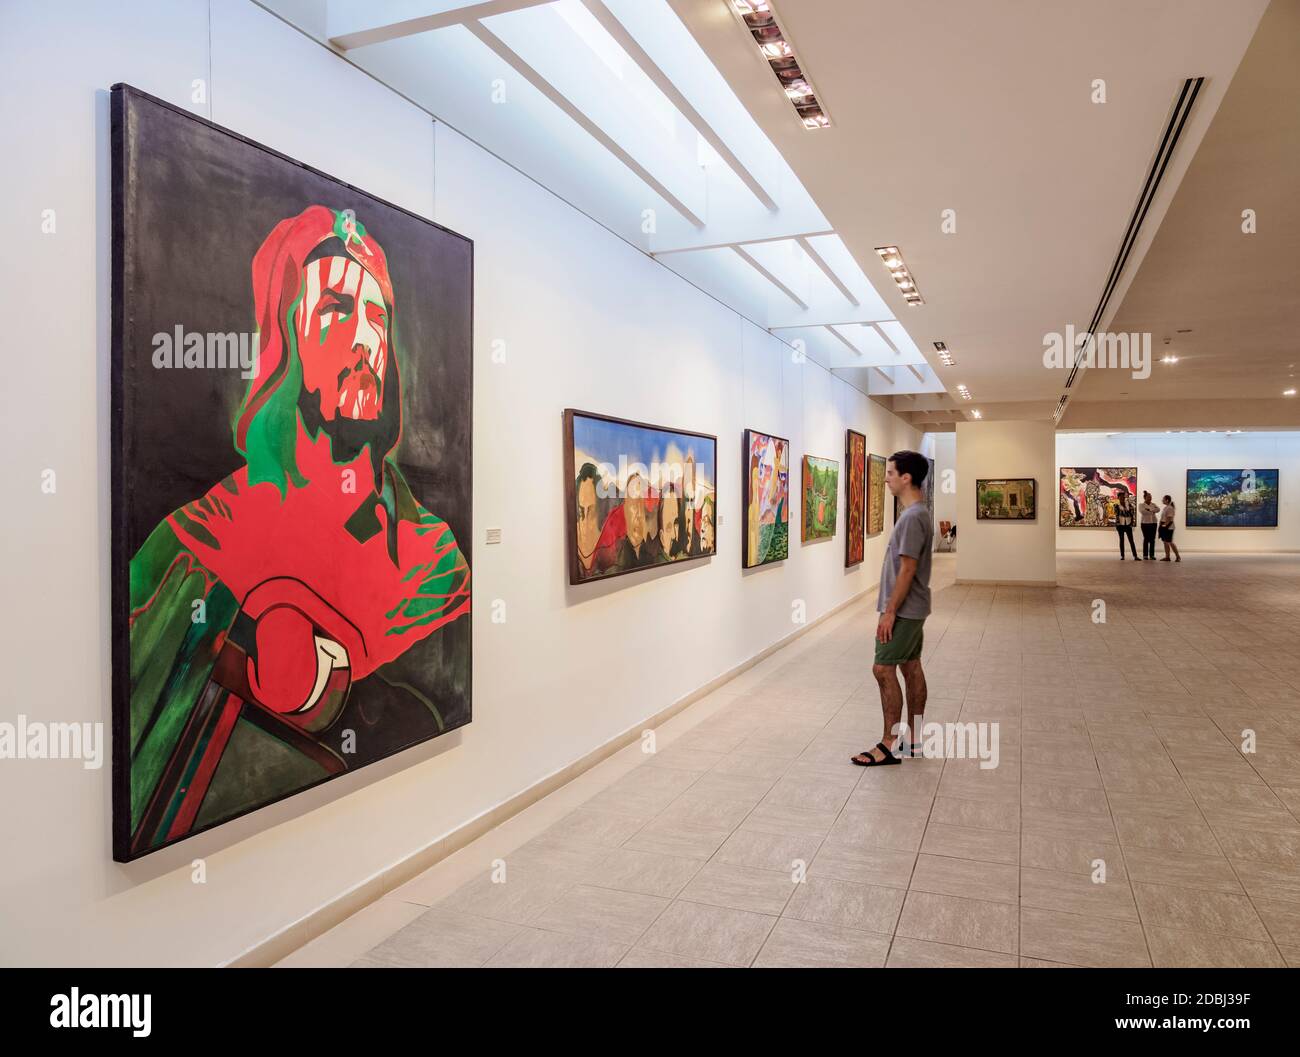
(521, 67)
(827, 270)
(885, 337)
(651, 69)
(426, 23)
(848, 344)
(837, 323)
(753, 263)
(919, 376)
(884, 374)
(737, 242)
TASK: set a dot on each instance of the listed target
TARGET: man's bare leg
(891, 705)
(917, 693)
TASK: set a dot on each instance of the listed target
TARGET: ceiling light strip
(901, 274)
(759, 18)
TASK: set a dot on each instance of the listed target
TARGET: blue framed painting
(1239, 498)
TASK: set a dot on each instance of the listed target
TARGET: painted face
(343, 339)
(588, 529)
(634, 511)
(668, 520)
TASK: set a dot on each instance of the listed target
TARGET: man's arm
(906, 573)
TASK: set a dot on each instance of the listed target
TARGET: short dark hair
(912, 462)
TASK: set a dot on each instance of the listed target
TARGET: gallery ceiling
(1003, 148)
(614, 106)
(1225, 303)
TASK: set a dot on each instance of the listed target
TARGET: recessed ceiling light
(1288, 392)
(893, 260)
(1168, 359)
(975, 413)
(760, 20)
(945, 357)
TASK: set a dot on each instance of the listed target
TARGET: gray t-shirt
(913, 537)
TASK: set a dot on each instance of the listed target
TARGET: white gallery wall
(1162, 461)
(1011, 552)
(945, 480)
(583, 319)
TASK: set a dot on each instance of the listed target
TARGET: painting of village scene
(855, 457)
(1231, 499)
(821, 494)
(639, 496)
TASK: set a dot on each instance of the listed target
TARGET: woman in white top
(1167, 529)
(1150, 515)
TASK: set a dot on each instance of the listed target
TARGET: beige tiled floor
(749, 839)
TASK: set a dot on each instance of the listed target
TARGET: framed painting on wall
(1231, 499)
(855, 460)
(766, 464)
(821, 497)
(876, 495)
(291, 476)
(1006, 499)
(1088, 494)
(637, 496)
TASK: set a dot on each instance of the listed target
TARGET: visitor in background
(903, 604)
(1150, 515)
(1124, 525)
(1167, 529)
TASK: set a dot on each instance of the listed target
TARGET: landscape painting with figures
(1007, 499)
(875, 495)
(821, 494)
(1088, 494)
(1231, 499)
(638, 496)
(766, 538)
(291, 476)
(855, 459)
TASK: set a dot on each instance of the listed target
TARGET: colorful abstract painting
(1006, 499)
(876, 495)
(1231, 499)
(291, 476)
(639, 496)
(821, 496)
(855, 459)
(1089, 493)
(766, 537)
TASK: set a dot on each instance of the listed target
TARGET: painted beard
(361, 391)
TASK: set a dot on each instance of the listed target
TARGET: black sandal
(871, 761)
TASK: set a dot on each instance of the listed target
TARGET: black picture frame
(132, 113)
(570, 494)
(980, 482)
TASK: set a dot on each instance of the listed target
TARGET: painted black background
(191, 205)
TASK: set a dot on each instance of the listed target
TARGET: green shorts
(905, 644)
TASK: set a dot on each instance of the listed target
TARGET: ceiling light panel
(773, 44)
(898, 270)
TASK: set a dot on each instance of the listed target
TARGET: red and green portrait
(291, 529)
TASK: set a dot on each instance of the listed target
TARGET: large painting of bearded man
(299, 605)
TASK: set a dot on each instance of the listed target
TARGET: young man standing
(903, 604)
